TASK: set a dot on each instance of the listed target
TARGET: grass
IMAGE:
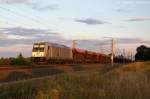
(32, 72)
(131, 81)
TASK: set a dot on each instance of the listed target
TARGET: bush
(4, 61)
(143, 53)
(20, 60)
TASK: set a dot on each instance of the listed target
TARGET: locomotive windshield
(38, 48)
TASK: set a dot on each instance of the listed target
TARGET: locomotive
(47, 52)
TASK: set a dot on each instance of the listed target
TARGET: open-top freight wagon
(45, 52)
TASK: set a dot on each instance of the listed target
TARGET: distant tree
(122, 59)
(143, 53)
(4, 61)
(20, 60)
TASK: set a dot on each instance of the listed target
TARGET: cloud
(139, 19)
(19, 35)
(15, 48)
(22, 31)
(134, 2)
(34, 4)
(14, 1)
(45, 7)
(16, 37)
(20, 1)
(105, 42)
(128, 40)
(121, 10)
(90, 21)
(122, 26)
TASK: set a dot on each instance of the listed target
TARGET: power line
(9, 23)
(25, 16)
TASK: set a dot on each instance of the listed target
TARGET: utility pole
(131, 57)
(128, 56)
(124, 55)
(112, 50)
(74, 44)
(112, 54)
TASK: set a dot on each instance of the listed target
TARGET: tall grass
(120, 83)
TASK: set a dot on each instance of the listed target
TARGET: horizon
(24, 22)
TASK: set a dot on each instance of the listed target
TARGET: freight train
(46, 52)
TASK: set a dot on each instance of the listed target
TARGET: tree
(143, 53)
(4, 61)
(20, 60)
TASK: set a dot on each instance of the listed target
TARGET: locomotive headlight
(37, 54)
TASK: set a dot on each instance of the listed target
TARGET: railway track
(8, 68)
(64, 66)
(9, 74)
(46, 76)
(11, 68)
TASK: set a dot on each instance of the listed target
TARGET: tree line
(19, 60)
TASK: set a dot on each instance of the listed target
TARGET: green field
(131, 81)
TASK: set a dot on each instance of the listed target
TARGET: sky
(92, 22)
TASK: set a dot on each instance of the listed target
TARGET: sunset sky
(23, 22)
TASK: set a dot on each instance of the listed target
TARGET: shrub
(4, 61)
(20, 60)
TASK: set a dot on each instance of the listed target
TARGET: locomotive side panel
(55, 53)
(65, 53)
(59, 53)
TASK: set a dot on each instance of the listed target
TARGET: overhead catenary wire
(103, 46)
(25, 16)
(11, 22)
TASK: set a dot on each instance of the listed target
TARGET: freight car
(56, 53)
(84, 56)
